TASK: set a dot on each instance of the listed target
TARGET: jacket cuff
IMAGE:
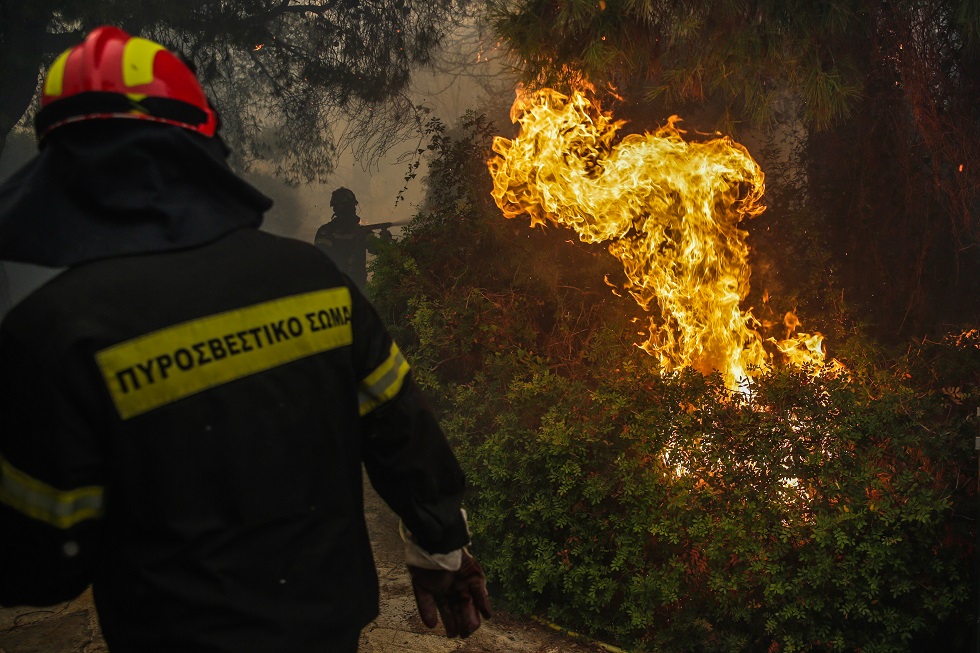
(416, 556)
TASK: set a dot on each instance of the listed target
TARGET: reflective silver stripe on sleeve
(384, 382)
(36, 499)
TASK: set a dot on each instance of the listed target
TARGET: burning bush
(662, 511)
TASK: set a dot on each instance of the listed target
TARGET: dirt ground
(73, 627)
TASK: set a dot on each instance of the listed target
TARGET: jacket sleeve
(51, 480)
(406, 455)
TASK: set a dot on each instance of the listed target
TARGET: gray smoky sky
(467, 74)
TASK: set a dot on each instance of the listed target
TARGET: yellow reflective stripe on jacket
(34, 498)
(384, 382)
(178, 361)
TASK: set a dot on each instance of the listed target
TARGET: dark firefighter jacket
(347, 243)
(184, 426)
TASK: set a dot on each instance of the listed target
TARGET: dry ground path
(73, 627)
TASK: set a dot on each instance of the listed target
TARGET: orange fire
(670, 210)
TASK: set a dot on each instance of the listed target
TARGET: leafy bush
(666, 513)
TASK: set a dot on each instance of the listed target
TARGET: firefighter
(346, 240)
(187, 401)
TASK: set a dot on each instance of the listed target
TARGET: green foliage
(745, 55)
(667, 513)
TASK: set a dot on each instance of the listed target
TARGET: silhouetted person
(344, 239)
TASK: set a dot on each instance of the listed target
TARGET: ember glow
(670, 211)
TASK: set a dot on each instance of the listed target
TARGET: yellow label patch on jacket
(166, 365)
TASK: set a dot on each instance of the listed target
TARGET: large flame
(670, 210)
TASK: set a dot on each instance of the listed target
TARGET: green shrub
(667, 514)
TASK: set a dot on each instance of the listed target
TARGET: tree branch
(286, 8)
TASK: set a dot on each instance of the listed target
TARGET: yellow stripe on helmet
(137, 61)
(54, 83)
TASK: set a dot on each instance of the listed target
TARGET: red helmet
(114, 75)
